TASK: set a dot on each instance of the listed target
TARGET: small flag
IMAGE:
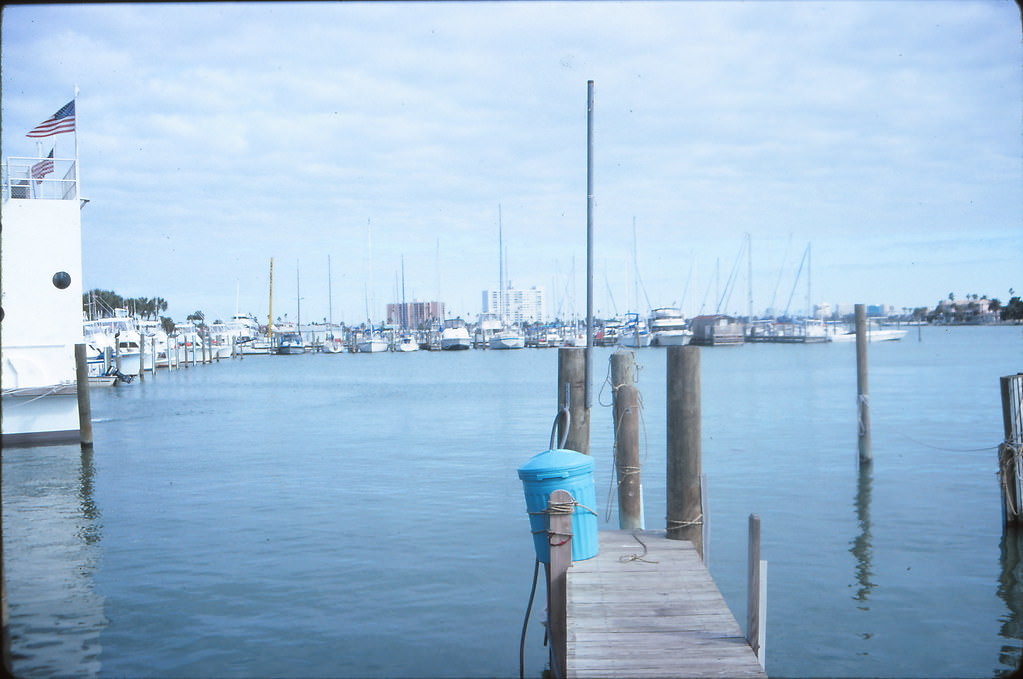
(61, 121)
(43, 167)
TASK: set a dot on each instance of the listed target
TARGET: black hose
(525, 622)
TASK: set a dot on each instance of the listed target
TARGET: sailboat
(506, 337)
(292, 342)
(332, 344)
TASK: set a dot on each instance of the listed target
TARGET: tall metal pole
(862, 389)
(589, 242)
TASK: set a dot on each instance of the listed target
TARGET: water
(360, 515)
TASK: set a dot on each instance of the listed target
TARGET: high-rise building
(415, 314)
(516, 306)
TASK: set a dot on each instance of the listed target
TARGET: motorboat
(290, 343)
(507, 339)
(372, 342)
(455, 336)
(668, 328)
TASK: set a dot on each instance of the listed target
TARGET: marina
(248, 504)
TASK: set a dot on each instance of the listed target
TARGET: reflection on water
(862, 545)
(50, 553)
(1010, 590)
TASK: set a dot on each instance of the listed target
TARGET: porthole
(61, 280)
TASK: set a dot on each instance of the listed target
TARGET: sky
(375, 150)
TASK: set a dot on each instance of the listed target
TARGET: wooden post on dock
(560, 507)
(756, 592)
(572, 374)
(630, 490)
(685, 518)
(117, 351)
(1010, 453)
(107, 360)
(862, 390)
(142, 357)
(84, 402)
(623, 368)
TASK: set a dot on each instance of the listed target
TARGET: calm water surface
(360, 515)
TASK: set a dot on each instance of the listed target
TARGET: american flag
(43, 167)
(61, 121)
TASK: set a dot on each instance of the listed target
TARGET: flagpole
(78, 183)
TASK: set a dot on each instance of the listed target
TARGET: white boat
(668, 328)
(372, 342)
(41, 273)
(406, 343)
(455, 336)
(875, 333)
(507, 339)
(118, 336)
(332, 345)
(290, 343)
(634, 333)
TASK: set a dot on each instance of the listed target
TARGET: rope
(862, 406)
(636, 557)
(675, 525)
(1009, 458)
(525, 621)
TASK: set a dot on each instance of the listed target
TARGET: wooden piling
(623, 368)
(142, 357)
(84, 402)
(756, 592)
(117, 352)
(572, 374)
(1010, 453)
(630, 490)
(685, 518)
(862, 390)
(560, 507)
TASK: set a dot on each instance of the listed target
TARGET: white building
(516, 306)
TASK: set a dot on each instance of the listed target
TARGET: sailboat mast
(298, 296)
(330, 296)
(749, 273)
(270, 320)
(404, 309)
(809, 271)
(500, 266)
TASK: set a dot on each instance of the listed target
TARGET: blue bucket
(567, 470)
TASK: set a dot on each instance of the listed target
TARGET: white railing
(24, 180)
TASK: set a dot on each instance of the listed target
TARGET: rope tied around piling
(1009, 454)
(675, 525)
(559, 508)
(862, 405)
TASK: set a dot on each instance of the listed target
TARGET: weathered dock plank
(647, 606)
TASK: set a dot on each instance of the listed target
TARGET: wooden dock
(647, 606)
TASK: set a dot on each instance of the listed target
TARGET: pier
(647, 606)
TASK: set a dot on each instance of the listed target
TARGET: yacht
(406, 343)
(668, 328)
(455, 336)
(507, 339)
(117, 336)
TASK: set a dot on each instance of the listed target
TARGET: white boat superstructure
(41, 272)
(668, 327)
(455, 336)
